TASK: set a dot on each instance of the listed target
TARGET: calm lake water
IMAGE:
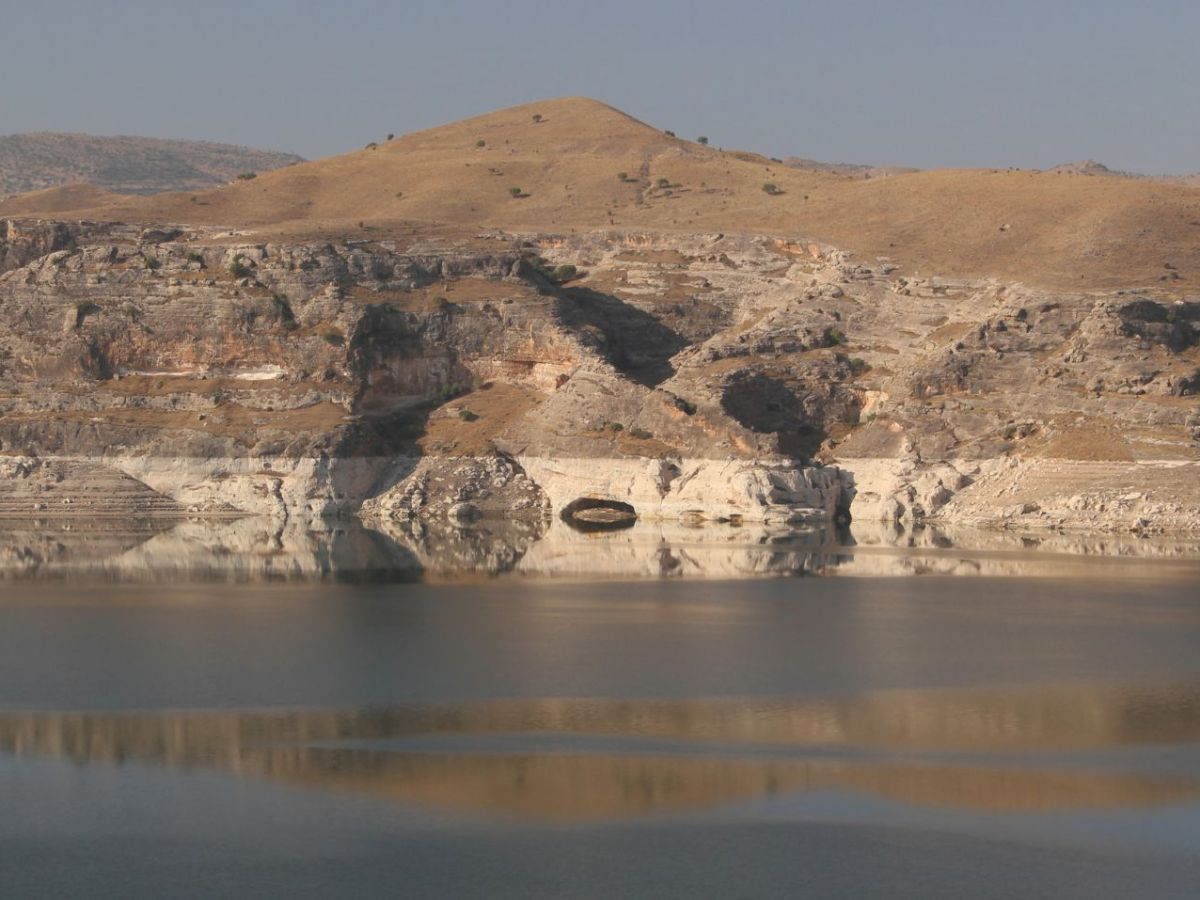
(1002, 735)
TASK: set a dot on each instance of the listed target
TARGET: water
(318, 728)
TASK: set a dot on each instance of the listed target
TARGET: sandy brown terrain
(1040, 228)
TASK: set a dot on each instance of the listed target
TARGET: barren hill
(125, 165)
(558, 164)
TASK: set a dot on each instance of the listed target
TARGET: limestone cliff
(661, 376)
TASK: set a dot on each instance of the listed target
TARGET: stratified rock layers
(675, 378)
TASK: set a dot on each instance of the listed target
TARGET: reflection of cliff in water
(258, 548)
(617, 758)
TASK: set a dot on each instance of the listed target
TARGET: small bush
(622, 176)
(640, 433)
(858, 365)
(372, 146)
(835, 336)
(238, 269)
(247, 176)
(391, 137)
(334, 337)
(284, 311)
(481, 143)
(516, 192)
(448, 392)
(669, 133)
(537, 117)
(152, 263)
(663, 182)
(771, 188)
(685, 406)
(195, 257)
(616, 426)
(703, 139)
(565, 273)
(467, 416)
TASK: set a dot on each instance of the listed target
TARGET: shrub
(284, 310)
(771, 188)
(372, 146)
(334, 337)
(467, 416)
(391, 137)
(835, 336)
(247, 176)
(685, 406)
(622, 176)
(152, 263)
(858, 365)
(663, 182)
(565, 273)
(449, 392)
(537, 117)
(441, 303)
(669, 133)
(640, 433)
(516, 192)
(481, 143)
(703, 139)
(239, 269)
(195, 257)
(616, 426)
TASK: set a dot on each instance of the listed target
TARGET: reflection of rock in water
(259, 548)
(303, 748)
(247, 549)
(487, 546)
(879, 548)
(672, 549)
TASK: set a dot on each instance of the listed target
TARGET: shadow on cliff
(631, 339)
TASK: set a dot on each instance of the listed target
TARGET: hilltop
(579, 164)
(125, 165)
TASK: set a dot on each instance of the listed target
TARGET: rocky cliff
(466, 379)
(680, 377)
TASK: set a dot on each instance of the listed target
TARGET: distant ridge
(125, 164)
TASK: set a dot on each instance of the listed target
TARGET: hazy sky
(913, 82)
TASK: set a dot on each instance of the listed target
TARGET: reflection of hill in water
(251, 549)
(381, 752)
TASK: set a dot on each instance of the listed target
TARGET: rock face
(440, 382)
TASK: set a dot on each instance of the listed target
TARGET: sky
(913, 82)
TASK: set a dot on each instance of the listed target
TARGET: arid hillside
(579, 164)
(126, 165)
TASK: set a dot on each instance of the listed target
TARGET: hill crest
(573, 163)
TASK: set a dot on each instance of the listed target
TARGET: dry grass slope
(565, 157)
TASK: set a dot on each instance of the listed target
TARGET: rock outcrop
(449, 380)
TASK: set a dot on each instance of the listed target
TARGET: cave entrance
(596, 514)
